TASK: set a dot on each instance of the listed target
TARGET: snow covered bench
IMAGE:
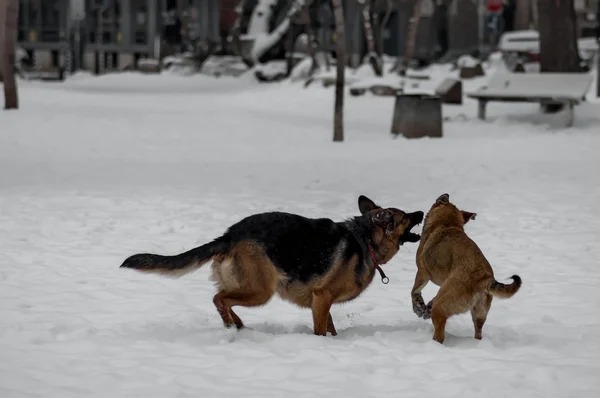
(567, 88)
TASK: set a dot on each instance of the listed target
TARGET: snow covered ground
(96, 169)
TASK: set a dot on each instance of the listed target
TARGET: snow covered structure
(262, 25)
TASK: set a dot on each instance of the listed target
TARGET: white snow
(467, 61)
(96, 169)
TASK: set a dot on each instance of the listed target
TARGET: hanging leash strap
(384, 279)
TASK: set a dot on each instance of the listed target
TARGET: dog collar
(384, 279)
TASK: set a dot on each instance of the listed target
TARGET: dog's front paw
(419, 307)
(427, 312)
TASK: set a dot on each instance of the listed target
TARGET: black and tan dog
(313, 263)
(450, 259)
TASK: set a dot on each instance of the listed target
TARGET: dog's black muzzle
(415, 218)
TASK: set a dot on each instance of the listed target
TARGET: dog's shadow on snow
(201, 332)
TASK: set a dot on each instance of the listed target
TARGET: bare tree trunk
(598, 73)
(290, 48)
(384, 22)
(3, 5)
(235, 29)
(99, 67)
(376, 29)
(411, 40)
(312, 48)
(11, 97)
(372, 55)
(598, 55)
(535, 16)
(340, 41)
(558, 36)
(182, 14)
(523, 14)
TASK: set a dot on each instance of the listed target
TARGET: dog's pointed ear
(365, 204)
(443, 199)
(467, 216)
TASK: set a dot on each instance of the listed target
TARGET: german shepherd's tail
(505, 291)
(178, 265)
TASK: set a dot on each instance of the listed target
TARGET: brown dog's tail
(181, 264)
(505, 291)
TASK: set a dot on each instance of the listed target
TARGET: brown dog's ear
(443, 199)
(365, 204)
(468, 216)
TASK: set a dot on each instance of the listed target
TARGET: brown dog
(450, 259)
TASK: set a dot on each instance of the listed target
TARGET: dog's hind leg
(246, 278)
(479, 314)
(225, 311)
(421, 280)
(249, 299)
(449, 301)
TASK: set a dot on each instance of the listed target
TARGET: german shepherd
(312, 263)
(450, 259)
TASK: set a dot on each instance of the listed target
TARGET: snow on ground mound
(94, 170)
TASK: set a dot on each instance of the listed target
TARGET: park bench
(568, 89)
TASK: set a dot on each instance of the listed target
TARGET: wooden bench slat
(565, 86)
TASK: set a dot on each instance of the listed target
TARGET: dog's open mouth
(416, 218)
